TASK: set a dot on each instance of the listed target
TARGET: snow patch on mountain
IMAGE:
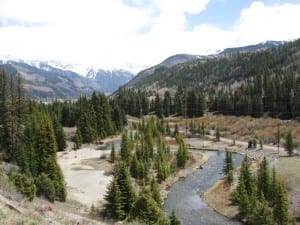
(81, 69)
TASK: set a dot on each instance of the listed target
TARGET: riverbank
(186, 195)
(196, 160)
(218, 197)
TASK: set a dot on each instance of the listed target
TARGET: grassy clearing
(288, 170)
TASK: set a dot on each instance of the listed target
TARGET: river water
(184, 195)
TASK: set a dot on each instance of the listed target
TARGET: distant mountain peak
(251, 48)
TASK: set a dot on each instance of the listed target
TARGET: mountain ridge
(43, 81)
(150, 76)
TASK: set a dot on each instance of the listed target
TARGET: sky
(139, 32)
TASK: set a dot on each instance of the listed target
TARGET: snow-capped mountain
(106, 79)
(81, 69)
(110, 80)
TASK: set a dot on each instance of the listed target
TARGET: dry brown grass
(218, 197)
(245, 127)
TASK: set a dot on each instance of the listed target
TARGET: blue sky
(139, 32)
(224, 13)
(221, 13)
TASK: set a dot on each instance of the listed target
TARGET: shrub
(45, 187)
(24, 184)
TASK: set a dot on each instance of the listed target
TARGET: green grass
(288, 169)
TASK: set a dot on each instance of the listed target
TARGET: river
(184, 195)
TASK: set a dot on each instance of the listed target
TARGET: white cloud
(261, 23)
(98, 31)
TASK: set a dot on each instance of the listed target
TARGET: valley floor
(87, 171)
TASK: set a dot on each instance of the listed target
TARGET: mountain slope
(53, 79)
(226, 68)
(49, 82)
(163, 66)
(252, 48)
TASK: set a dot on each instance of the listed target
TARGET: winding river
(184, 195)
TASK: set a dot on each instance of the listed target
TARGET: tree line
(187, 103)
(272, 94)
(256, 83)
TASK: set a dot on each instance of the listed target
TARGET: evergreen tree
(77, 140)
(134, 167)
(113, 153)
(155, 192)
(281, 213)
(228, 163)
(42, 149)
(128, 197)
(45, 187)
(86, 123)
(182, 155)
(125, 149)
(174, 219)
(158, 106)
(246, 178)
(23, 184)
(262, 214)
(228, 167)
(201, 105)
(113, 207)
(273, 188)
(289, 145)
(59, 134)
(264, 179)
(230, 177)
(147, 211)
(178, 100)
(192, 104)
(242, 197)
(167, 102)
(118, 117)
(145, 105)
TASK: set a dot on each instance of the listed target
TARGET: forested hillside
(227, 69)
(237, 84)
